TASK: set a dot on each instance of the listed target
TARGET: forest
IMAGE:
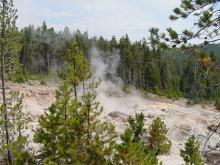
(71, 131)
(171, 72)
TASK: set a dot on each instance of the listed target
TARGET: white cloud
(99, 17)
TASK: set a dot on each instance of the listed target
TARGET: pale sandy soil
(182, 120)
(37, 97)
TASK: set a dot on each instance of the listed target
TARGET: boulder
(150, 116)
(117, 114)
(213, 157)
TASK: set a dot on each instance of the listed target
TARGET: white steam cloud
(110, 93)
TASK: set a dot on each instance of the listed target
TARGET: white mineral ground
(181, 119)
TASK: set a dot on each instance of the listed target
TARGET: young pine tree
(133, 149)
(52, 132)
(157, 138)
(8, 52)
(191, 153)
(20, 152)
(77, 66)
(71, 132)
(97, 137)
(137, 126)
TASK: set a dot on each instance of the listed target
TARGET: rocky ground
(181, 119)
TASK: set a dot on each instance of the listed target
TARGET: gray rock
(117, 114)
(213, 157)
(217, 162)
(150, 116)
(185, 130)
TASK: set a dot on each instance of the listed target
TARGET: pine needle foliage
(191, 153)
(18, 123)
(158, 137)
(72, 133)
(133, 149)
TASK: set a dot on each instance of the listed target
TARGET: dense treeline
(171, 72)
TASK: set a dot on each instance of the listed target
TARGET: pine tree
(71, 133)
(53, 131)
(158, 137)
(113, 44)
(8, 44)
(99, 136)
(199, 79)
(206, 24)
(137, 126)
(18, 122)
(133, 148)
(77, 66)
(191, 153)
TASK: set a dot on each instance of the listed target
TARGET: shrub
(18, 77)
(135, 154)
(191, 153)
(158, 137)
(137, 126)
(133, 150)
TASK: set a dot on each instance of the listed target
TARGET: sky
(100, 17)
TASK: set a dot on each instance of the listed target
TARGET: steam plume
(109, 93)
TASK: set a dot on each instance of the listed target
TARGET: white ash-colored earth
(181, 120)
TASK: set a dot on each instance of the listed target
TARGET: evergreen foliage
(205, 28)
(77, 66)
(133, 148)
(137, 126)
(158, 137)
(18, 122)
(191, 153)
(151, 67)
(10, 66)
(10, 38)
(199, 79)
(71, 133)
